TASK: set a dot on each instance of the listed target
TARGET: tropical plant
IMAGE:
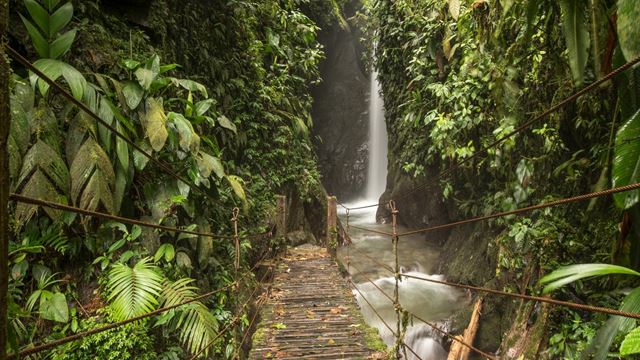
(599, 347)
(136, 290)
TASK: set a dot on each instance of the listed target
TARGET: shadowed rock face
(340, 114)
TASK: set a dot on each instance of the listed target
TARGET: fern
(133, 291)
(197, 325)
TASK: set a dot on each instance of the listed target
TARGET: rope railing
(570, 99)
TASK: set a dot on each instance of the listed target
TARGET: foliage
(599, 347)
(132, 341)
(240, 133)
(459, 75)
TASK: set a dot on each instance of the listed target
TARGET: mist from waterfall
(377, 169)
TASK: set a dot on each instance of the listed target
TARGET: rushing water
(377, 172)
(431, 302)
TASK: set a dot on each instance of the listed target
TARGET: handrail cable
(543, 299)
(435, 327)
(63, 207)
(163, 165)
(543, 205)
(235, 319)
(74, 337)
(381, 318)
(594, 85)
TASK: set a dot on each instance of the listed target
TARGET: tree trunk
(5, 121)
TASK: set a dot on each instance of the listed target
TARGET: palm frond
(197, 325)
(133, 291)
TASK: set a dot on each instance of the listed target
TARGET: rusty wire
(234, 321)
(435, 327)
(594, 85)
(71, 338)
(58, 206)
(543, 299)
(382, 319)
(529, 208)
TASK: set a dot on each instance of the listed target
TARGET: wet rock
(340, 114)
(300, 237)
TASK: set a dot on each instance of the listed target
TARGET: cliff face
(340, 113)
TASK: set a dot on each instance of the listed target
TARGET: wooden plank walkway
(311, 313)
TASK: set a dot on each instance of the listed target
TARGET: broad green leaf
(203, 106)
(208, 163)
(133, 93)
(120, 188)
(571, 273)
(629, 28)
(39, 14)
(189, 140)
(506, 6)
(122, 148)
(165, 250)
(600, 344)
(54, 308)
(454, 9)
(60, 18)
(139, 159)
(576, 33)
(183, 260)
(533, 7)
(62, 44)
(626, 162)
(154, 122)
(227, 124)
(39, 42)
(130, 64)
(631, 343)
(92, 178)
(145, 77)
(168, 67)
(53, 69)
(192, 86)
(236, 185)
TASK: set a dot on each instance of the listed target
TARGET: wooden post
(332, 222)
(281, 215)
(5, 123)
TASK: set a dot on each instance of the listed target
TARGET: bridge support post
(281, 216)
(332, 223)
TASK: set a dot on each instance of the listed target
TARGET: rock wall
(340, 112)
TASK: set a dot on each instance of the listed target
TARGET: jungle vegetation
(457, 75)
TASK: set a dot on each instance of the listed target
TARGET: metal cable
(517, 130)
(547, 300)
(426, 322)
(71, 338)
(529, 208)
(381, 319)
(235, 320)
(58, 206)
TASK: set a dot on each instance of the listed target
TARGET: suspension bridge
(303, 307)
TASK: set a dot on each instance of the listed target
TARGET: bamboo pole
(459, 351)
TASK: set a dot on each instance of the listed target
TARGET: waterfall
(377, 173)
